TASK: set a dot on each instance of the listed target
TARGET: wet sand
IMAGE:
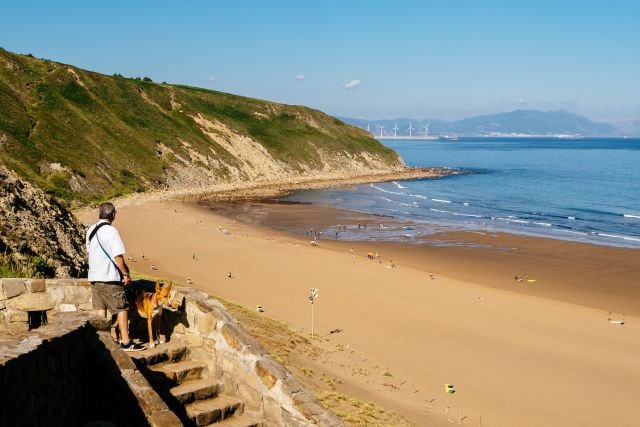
(597, 276)
(518, 353)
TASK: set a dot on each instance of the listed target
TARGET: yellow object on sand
(531, 280)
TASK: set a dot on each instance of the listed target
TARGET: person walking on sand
(109, 273)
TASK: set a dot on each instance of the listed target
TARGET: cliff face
(35, 224)
(86, 136)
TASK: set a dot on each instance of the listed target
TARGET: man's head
(107, 211)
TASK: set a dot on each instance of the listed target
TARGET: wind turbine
(410, 129)
(426, 131)
(395, 131)
(381, 127)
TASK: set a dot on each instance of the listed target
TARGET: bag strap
(95, 230)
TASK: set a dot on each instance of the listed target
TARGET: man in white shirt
(108, 271)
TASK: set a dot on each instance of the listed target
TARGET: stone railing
(243, 366)
(20, 297)
(67, 370)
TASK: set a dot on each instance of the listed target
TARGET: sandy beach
(518, 353)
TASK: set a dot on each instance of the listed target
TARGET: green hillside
(85, 136)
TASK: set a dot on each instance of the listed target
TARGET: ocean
(585, 190)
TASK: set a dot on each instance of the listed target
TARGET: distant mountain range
(512, 124)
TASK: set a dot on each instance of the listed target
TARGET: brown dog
(150, 305)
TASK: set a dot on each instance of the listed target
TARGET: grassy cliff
(85, 136)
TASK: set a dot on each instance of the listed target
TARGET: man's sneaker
(131, 346)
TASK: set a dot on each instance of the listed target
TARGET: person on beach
(109, 273)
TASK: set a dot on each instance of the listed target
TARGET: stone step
(238, 421)
(167, 352)
(178, 372)
(208, 411)
(193, 390)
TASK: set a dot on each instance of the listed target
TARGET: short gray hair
(107, 211)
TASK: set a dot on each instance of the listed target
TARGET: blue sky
(374, 59)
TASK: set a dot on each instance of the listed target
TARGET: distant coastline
(565, 137)
(512, 124)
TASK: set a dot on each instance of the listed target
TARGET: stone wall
(243, 366)
(71, 372)
(19, 297)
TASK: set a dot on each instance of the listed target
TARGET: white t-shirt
(101, 269)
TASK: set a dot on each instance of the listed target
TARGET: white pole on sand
(311, 319)
(312, 296)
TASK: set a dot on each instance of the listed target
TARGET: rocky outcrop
(34, 224)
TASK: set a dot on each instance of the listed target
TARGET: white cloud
(352, 84)
(211, 79)
(299, 77)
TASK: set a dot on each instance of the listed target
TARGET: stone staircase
(184, 384)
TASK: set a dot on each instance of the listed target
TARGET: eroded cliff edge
(85, 136)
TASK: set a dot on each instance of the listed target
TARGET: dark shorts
(110, 296)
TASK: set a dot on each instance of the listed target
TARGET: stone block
(77, 294)
(291, 385)
(31, 302)
(194, 340)
(121, 359)
(3, 330)
(272, 411)
(206, 323)
(206, 356)
(269, 372)
(164, 419)
(56, 293)
(251, 397)
(240, 340)
(85, 306)
(13, 287)
(215, 303)
(231, 365)
(197, 295)
(67, 307)
(100, 324)
(209, 344)
(35, 285)
(291, 420)
(230, 335)
(16, 316)
(310, 410)
(15, 328)
(191, 316)
(2, 306)
(61, 282)
(148, 399)
(218, 313)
